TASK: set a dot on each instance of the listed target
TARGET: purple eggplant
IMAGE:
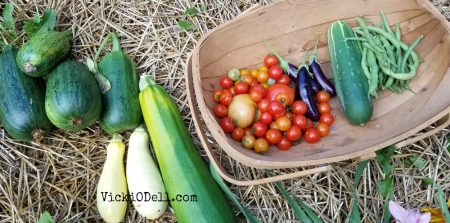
(304, 91)
(317, 73)
(316, 87)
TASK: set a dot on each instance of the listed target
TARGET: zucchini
(351, 86)
(22, 109)
(183, 170)
(121, 109)
(72, 100)
(43, 52)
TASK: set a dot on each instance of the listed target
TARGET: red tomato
(284, 144)
(237, 134)
(312, 135)
(323, 128)
(276, 109)
(259, 128)
(226, 124)
(322, 96)
(284, 80)
(216, 95)
(283, 123)
(299, 108)
(255, 95)
(283, 98)
(289, 115)
(327, 118)
(273, 136)
(309, 124)
(270, 60)
(248, 131)
(254, 82)
(226, 97)
(263, 105)
(266, 118)
(241, 88)
(273, 125)
(226, 82)
(294, 133)
(277, 89)
(220, 110)
(261, 145)
(324, 107)
(300, 121)
(275, 72)
(260, 88)
(231, 89)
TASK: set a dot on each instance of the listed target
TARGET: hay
(60, 174)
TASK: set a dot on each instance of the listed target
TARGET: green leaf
(355, 216)
(427, 181)
(250, 217)
(301, 214)
(387, 213)
(185, 24)
(419, 162)
(190, 11)
(8, 21)
(443, 204)
(385, 186)
(45, 218)
(384, 159)
(41, 24)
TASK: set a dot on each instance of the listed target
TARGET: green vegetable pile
(387, 62)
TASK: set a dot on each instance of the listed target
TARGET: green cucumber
(121, 109)
(22, 109)
(183, 170)
(43, 52)
(72, 100)
(351, 85)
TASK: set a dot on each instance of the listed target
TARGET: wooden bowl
(291, 27)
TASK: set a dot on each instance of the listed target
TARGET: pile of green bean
(387, 62)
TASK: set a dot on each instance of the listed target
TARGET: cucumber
(43, 52)
(121, 109)
(22, 109)
(351, 85)
(182, 169)
(72, 100)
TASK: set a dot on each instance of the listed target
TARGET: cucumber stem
(115, 42)
(146, 81)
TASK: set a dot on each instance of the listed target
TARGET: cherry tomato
(263, 105)
(266, 118)
(241, 88)
(322, 96)
(270, 60)
(261, 145)
(273, 125)
(284, 144)
(244, 72)
(283, 98)
(277, 89)
(324, 107)
(289, 115)
(276, 109)
(299, 108)
(226, 97)
(254, 83)
(237, 134)
(263, 68)
(300, 121)
(309, 124)
(248, 141)
(254, 73)
(283, 123)
(248, 131)
(323, 128)
(312, 135)
(327, 118)
(259, 128)
(226, 124)
(265, 85)
(294, 133)
(220, 110)
(284, 80)
(231, 89)
(247, 78)
(275, 72)
(216, 95)
(255, 95)
(262, 76)
(260, 88)
(273, 136)
(226, 82)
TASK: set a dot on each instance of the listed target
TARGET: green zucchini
(182, 168)
(351, 85)
(72, 100)
(121, 109)
(43, 52)
(22, 109)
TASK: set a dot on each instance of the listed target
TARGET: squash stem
(115, 42)
(102, 46)
(116, 138)
(146, 81)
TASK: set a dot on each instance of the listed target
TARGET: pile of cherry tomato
(257, 107)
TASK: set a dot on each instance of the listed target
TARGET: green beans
(387, 62)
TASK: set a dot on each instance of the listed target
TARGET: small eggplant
(303, 91)
(316, 71)
(316, 87)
